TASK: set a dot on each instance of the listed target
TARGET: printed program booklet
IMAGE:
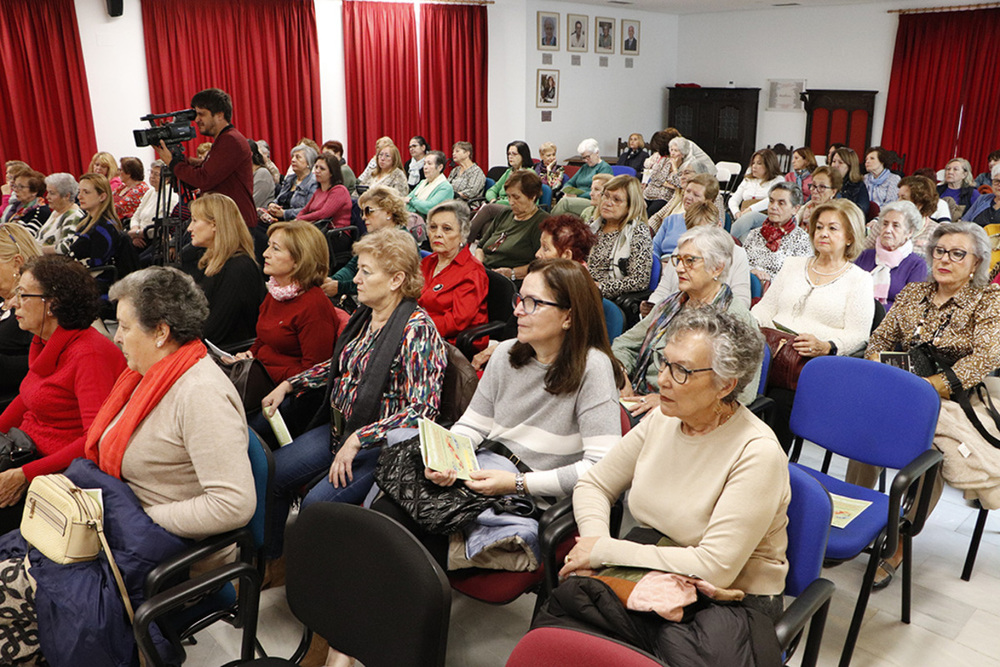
(846, 510)
(443, 450)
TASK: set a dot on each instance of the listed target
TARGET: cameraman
(227, 169)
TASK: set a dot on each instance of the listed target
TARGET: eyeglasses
(19, 186)
(677, 372)
(493, 247)
(368, 210)
(19, 295)
(955, 254)
(689, 260)
(530, 304)
(821, 188)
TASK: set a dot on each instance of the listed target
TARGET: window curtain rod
(951, 8)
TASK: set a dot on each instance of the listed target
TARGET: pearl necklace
(812, 267)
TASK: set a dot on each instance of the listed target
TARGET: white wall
(115, 57)
(332, 81)
(507, 95)
(847, 47)
(604, 103)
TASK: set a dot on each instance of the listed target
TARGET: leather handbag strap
(114, 569)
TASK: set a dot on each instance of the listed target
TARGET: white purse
(67, 525)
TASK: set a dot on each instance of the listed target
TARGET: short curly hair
(394, 250)
(164, 295)
(71, 292)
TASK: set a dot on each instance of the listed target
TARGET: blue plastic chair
(622, 170)
(756, 288)
(880, 415)
(489, 184)
(654, 275)
(170, 607)
(765, 368)
(614, 319)
(424, 253)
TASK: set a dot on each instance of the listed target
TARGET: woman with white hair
(60, 228)
(579, 184)
(298, 187)
(703, 261)
(892, 262)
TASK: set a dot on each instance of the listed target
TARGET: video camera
(171, 133)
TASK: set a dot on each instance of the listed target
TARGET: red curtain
(44, 100)
(925, 89)
(980, 132)
(380, 63)
(263, 53)
(453, 69)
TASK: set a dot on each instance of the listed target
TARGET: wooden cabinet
(841, 116)
(723, 121)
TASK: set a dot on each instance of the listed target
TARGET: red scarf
(773, 233)
(138, 394)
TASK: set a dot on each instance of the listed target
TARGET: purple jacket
(913, 269)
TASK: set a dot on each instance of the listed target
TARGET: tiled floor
(954, 622)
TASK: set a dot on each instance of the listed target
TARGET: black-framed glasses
(955, 254)
(493, 247)
(677, 372)
(530, 303)
(19, 295)
(690, 261)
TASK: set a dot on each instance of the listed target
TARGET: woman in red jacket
(455, 282)
(71, 369)
(297, 325)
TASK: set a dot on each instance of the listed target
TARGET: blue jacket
(670, 231)
(81, 617)
(293, 199)
(978, 207)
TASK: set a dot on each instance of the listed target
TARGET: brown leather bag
(786, 363)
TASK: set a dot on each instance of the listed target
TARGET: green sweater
(582, 178)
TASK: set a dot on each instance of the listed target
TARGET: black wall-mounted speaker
(114, 7)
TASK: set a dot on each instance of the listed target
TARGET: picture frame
(604, 35)
(547, 89)
(630, 37)
(785, 94)
(577, 41)
(548, 31)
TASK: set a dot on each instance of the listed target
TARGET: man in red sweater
(227, 169)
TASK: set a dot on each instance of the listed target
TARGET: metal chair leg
(862, 604)
(907, 566)
(977, 535)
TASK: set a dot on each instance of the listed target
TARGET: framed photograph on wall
(576, 32)
(785, 94)
(548, 31)
(604, 35)
(547, 89)
(630, 38)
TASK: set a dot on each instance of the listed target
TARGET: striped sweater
(558, 437)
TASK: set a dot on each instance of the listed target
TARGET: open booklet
(846, 510)
(443, 450)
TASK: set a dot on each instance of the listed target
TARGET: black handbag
(16, 449)
(437, 509)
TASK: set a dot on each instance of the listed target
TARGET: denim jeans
(298, 463)
(746, 224)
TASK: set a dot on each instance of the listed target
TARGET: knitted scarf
(138, 394)
(286, 293)
(885, 262)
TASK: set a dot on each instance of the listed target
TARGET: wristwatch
(833, 348)
(519, 484)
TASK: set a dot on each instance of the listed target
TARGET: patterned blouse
(795, 244)
(966, 329)
(468, 183)
(415, 377)
(396, 180)
(127, 199)
(638, 267)
(663, 180)
(551, 176)
(60, 229)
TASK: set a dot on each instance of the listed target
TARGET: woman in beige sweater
(703, 471)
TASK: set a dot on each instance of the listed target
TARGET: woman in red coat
(71, 369)
(455, 282)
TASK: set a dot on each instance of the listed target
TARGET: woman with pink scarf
(893, 262)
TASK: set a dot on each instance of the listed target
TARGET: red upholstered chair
(562, 647)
